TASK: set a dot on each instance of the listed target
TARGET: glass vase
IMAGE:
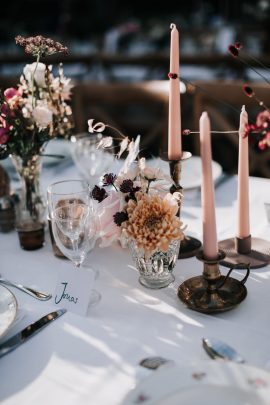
(155, 270)
(32, 206)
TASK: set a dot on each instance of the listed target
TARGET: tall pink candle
(210, 246)
(174, 124)
(243, 179)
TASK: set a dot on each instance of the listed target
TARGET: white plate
(57, 147)
(191, 171)
(8, 309)
(206, 383)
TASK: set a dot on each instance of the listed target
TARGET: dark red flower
(238, 45)
(172, 75)
(3, 136)
(99, 194)
(4, 110)
(120, 217)
(126, 186)
(248, 90)
(108, 179)
(233, 51)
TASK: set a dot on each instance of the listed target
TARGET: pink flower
(3, 135)
(11, 92)
(107, 229)
(263, 119)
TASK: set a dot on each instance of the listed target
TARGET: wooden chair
(138, 108)
(223, 101)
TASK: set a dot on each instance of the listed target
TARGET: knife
(30, 330)
(218, 349)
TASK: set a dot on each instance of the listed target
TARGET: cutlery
(28, 290)
(152, 363)
(28, 332)
(217, 349)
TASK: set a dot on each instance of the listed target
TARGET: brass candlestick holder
(189, 246)
(241, 251)
(212, 292)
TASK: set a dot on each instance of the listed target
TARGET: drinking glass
(74, 231)
(91, 161)
(62, 193)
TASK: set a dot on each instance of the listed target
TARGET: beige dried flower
(152, 222)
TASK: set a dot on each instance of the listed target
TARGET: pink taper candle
(210, 246)
(243, 179)
(174, 124)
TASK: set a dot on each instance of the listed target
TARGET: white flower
(39, 76)
(98, 127)
(42, 116)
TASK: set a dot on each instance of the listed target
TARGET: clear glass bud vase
(32, 205)
(155, 270)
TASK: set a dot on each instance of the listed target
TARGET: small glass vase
(155, 270)
(32, 205)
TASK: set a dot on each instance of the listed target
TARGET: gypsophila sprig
(40, 46)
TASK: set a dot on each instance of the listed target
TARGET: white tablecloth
(94, 360)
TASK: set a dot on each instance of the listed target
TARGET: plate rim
(198, 371)
(15, 312)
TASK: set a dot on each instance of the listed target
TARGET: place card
(73, 289)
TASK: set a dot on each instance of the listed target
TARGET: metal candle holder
(212, 292)
(254, 251)
(189, 246)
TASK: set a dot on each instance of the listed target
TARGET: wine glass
(62, 193)
(74, 231)
(92, 162)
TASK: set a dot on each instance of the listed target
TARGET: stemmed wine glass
(62, 193)
(92, 162)
(74, 230)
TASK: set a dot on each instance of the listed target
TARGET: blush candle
(174, 121)
(243, 229)
(210, 245)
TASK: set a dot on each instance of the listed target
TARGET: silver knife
(218, 349)
(28, 332)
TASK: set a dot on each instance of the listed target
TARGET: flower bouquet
(32, 114)
(134, 206)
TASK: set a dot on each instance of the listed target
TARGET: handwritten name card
(73, 289)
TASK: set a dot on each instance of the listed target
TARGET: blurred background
(119, 60)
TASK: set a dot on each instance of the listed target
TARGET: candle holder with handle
(189, 246)
(240, 251)
(212, 292)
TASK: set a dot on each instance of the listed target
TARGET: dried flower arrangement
(37, 110)
(134, 203)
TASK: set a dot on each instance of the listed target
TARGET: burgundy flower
(3, 136)
(120, 217)
(126, 186)
(99, 194)
(238, 45)
(233, 50)
(248, 90)
(4, 110)
(172, 75)
(108, 179)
